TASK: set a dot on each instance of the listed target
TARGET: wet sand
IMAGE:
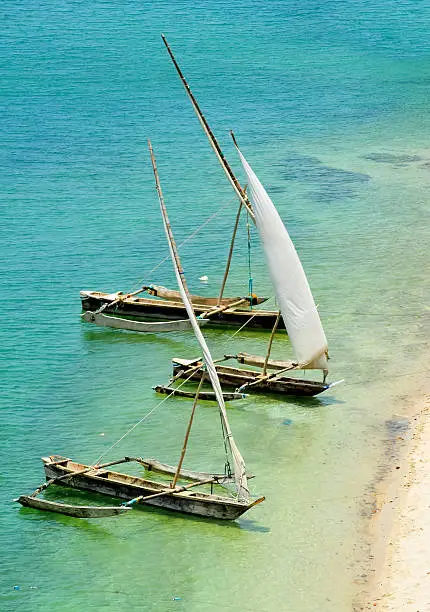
(400, 526)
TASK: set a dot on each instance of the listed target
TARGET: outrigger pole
(269, 347)
(187, 434)
(227, 267)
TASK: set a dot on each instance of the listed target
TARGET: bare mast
(213, 141)
(167, 222)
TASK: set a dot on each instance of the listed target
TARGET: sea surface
(329, 103)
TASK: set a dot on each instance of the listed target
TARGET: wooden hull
(203, 395)
(165, 310)
(127, 487)
(236, 377)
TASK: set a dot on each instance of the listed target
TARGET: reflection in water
(116, 336)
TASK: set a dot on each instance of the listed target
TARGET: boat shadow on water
(97, 530)
(115, 336)
(264, 400)
(316, 402)
(240, 524)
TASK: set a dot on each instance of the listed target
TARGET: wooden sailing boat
(297, 307)
(99, 318)
(170, 310)
(134, 490)
(146, 310)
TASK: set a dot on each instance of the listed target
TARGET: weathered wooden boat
(148, 309)
(250, 380)
(219, 310)
(139, 491)
(299, 314)
(203, 395)
(125, 487)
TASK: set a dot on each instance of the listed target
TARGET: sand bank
(401, 525)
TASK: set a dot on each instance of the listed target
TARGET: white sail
(238, 462)
(294, 296)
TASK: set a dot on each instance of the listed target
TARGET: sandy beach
(400, 526)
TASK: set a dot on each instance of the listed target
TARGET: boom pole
(213, 141)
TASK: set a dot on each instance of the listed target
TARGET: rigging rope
(208, 220)
(141, 420)
(227, 466)
(250, 287)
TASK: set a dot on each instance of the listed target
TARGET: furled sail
(212, 140)
(238, 462)
(292, 290)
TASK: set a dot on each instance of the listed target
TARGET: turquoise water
(329, 102)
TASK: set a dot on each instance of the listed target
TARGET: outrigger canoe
(126, 487)
(170, 310)
(251, 381)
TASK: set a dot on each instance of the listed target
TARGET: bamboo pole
(269, 348)
(187, 433)
(183, 373)
(118, 299)
(261, 379)
(213, 141)
(144, 498)
(218, 309)
(230, 254)
(167, 222)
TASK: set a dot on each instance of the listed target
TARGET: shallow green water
(329, 103)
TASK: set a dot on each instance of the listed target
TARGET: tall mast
(187, 433)
(213, 141)
(167, 222)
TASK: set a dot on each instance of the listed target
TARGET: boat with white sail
(297, 309)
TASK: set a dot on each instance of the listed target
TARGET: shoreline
(400, 525)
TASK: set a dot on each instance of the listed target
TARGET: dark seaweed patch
(327, 194)
(328, 183)
(391, 158)
(275, 189)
